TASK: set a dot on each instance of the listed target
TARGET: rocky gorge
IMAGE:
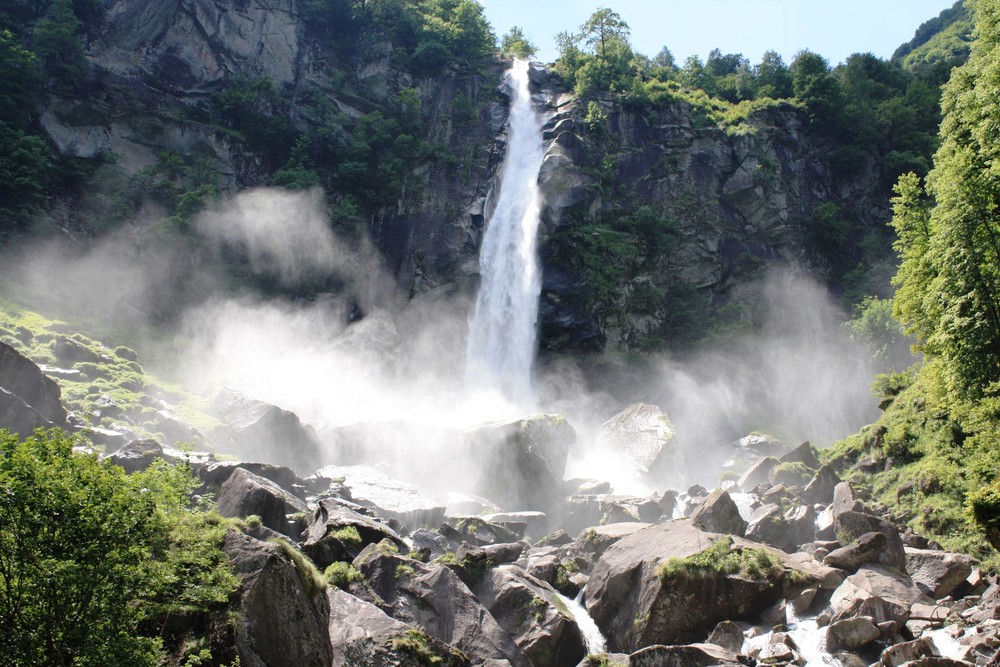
(345, 565)
(283, 207)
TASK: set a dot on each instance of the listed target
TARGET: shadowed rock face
(28, 399)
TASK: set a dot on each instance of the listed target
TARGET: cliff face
(735, 201)
(725, 203)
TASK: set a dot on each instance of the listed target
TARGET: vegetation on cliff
(938, 437)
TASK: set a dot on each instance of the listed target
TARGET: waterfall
(592, 637)
(502, 327)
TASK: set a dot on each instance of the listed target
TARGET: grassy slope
(921, 459)
(113, 389)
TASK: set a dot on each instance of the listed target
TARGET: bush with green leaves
(75, 539)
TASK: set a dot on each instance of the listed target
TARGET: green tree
(773, 77)
(955, 263)
(604, 27)
(74, 538)
(514, 43)
(913, 305)
(58, 45)
(815, 85)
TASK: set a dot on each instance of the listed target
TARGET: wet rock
(728, 635)
(937, 573)
(804, 453)
(432, 597)
(531, 612)
(245, 494)
(768, 525)
(619, 509)
(522, 461)
(28, 399)
(691, 655)
(597, 539)
(758, 473)
(820, 488)
(283, 613)
(851, 633)
(265, 432)
(138, 455)
(337, 533)
(527, 523)
(904, 652)
(878, 592)
(719, 514)
(801, 523)
(363, 634)
(480, 532)
(215, 474)
(866, 549)
(386, 497)
(625, 586)
(639, 433)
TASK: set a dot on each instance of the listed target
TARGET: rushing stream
(502, 327)
(592, 637)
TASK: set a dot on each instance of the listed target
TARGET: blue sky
(833, 29)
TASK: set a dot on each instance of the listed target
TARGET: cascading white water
(592, 637)
(502, 327)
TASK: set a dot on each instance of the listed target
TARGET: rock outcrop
(28, 399)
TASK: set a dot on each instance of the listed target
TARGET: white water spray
(502, 327)
(592, 637)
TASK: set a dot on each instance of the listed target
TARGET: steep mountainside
(665, 206)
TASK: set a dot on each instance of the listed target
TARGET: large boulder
(691, 655)
(719, 514)
(635, 607)
(937, 573)
(531, 612)
(850, 526)
(820, 487)
(768, 525)
(264, 432)
(386, 497)
(640, 432)
(283, 611)
(852, 633)
(521, 462)
(879, 592)
(213, 475)
(335, 532)
(433, 598)
(363, 634)
(245, 494)
(866, 549)
(138, 455)
(28, 399)
(758, 473)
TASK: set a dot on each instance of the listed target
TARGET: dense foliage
(74, 536)
(93, 563)
(940, 431)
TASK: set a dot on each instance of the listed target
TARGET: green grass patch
(722, 559)
(342, 575)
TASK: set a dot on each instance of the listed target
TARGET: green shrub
(721, 559)
(342, 575)
(983, 506)
(348, 536)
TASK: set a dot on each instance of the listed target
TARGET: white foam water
(503, 325)
(592, 637)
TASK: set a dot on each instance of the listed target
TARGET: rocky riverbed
(348, 565)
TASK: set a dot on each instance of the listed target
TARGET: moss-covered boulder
(651, 586)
